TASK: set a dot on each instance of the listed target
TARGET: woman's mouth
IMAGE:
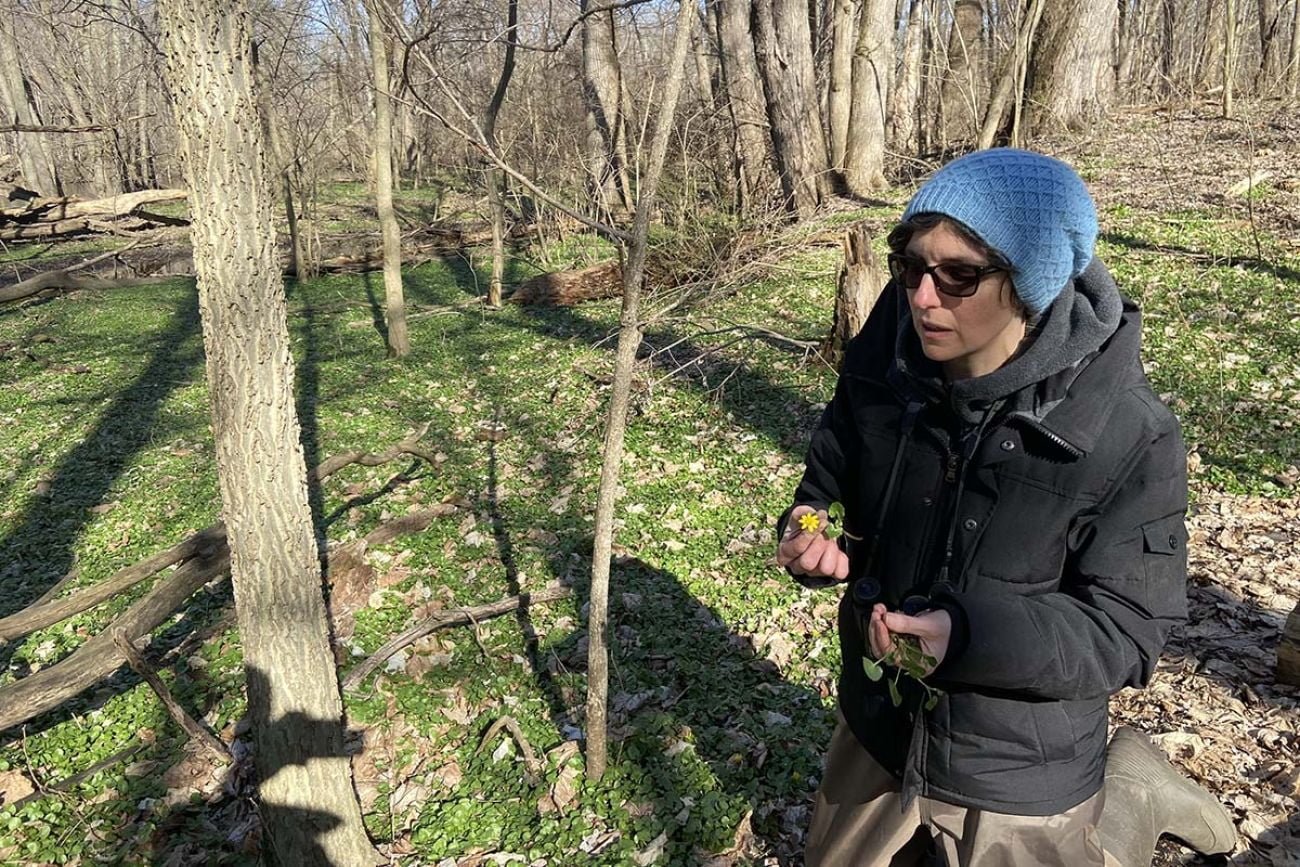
(929, 329)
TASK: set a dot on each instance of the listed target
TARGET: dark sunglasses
(950, 278)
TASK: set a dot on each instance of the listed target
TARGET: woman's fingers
(811, 558)
(878, 633)
(830, 559)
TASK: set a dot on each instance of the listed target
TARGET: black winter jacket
(1061, 503)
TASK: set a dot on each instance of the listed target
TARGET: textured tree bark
(960, 99)
(859, 284)
(1073, 79)
(1293, 54)
(1229, 55)
(873, 72)
(399, 342)
(309, 811)
(496, 179)
(753, 164)
(839, 100)
(783, 48)
(567, 288)
(629, 338)
(33, 159)
(602, 89)
(1009, 78)
(1270, 55)
(905, 97)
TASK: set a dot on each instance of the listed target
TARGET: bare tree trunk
(873, 71)
(840, 97)
(282, 168)
(1270, 56)
(744, 99)
(782, 41)
(496, 179)
(309, 811)
(1073, 77)
(1011, 81)
(905, 98)
(1210, 60)
(1293, 55)
(961, 80)
(629, 338)
(399, 342)
(1229, 55)
(33, 158)
(1166, 56)
(602, 91)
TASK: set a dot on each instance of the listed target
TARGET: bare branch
(445, 619)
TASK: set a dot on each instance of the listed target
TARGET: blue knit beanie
(1031, 208)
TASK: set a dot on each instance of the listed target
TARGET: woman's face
(968, 336)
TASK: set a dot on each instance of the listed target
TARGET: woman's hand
(932, 628)
(805, 553)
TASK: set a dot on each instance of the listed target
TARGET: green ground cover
(722, 669)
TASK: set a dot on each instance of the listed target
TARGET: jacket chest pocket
(1022, 540)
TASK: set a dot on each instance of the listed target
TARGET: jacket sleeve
(825, 466)
(1124, 587)
(836, 441)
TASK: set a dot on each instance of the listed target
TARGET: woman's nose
(926, 294)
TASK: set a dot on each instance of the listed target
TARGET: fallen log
(567, 288)
(66, 207)
(65, 215)
(99, 657)
(48, 613)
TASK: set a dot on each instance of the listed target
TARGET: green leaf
(932, 701)
(836, 511)
(831, 531)
(894, 695)
(872, 669)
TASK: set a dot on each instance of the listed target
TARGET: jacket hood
(1060, 344)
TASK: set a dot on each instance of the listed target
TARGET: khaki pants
(859, 822)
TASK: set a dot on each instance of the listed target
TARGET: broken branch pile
(25, 218)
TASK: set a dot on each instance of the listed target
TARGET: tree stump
(858, 286)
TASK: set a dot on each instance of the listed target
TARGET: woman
(1013, 497)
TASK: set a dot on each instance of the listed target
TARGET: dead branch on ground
(532, 767)
(204, 738)
(446, 619)
(202, 558)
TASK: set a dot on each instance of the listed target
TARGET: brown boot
(1146, 797)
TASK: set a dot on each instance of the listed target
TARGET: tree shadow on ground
(1262, 266)
(39, 551)
(779, 412)
(705, 731)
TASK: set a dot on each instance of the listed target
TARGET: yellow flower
(810, 523)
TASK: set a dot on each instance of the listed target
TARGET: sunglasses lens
(957, 280)
(907, 270)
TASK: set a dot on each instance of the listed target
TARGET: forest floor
(723, 669)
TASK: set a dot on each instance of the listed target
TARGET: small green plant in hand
(812, 522)
(908, 658)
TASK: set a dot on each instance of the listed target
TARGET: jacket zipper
(1055, 439)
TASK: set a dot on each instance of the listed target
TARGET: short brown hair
(901, 235)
